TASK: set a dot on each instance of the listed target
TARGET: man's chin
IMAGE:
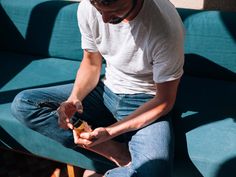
(116, 21)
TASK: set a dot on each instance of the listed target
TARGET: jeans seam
(118, 103)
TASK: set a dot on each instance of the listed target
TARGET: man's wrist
(73, 99)
(111, 131)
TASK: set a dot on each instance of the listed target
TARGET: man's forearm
(85, 82)
(143, 116)
(149, 112)
(87, 77)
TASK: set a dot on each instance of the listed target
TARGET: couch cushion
(18, 137)
(40, 27)
(20, 72)
(210, 43)
(206, 124)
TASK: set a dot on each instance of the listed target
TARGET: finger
(63, 117)
(61, 108)
(65, 124)
(89, 136)
(83, 142)
(75, 135)
(63, 121)
(61, 113)
(70, 126)
(80, 141)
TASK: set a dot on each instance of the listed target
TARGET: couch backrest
(40, 27)
(49, 28)
(210, 43)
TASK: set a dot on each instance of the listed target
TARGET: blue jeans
(151, 147)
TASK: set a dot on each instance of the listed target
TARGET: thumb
(85, 135)
(79, 107)
(88, 136)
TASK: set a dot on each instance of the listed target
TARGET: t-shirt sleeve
(84, 16)
(168, 58)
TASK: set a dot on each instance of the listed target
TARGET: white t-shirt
(140, 53)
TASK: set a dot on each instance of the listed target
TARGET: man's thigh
(151, 147)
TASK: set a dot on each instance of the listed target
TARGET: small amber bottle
(81, 126)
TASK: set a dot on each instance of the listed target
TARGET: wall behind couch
(225, 5)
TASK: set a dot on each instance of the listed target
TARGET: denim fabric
(151, 147)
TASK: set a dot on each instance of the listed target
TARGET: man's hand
(89, 139)
(66, 110)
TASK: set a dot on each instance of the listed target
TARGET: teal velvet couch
(40, 46)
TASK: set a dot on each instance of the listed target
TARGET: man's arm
(149, 112)
(86, 80)
(87, 76)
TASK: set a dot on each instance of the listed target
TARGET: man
(142, 43)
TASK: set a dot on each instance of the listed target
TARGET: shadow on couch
(7, 139)
(41, 25)
(229, 24)
(9, 33)
(226, 169)
(207, 91)
(18, 51)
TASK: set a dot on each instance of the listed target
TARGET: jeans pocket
(49, 104)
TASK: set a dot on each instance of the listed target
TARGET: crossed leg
(36, 108)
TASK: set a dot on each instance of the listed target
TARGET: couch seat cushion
(206, 124)
(16, 136)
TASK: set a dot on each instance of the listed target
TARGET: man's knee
(21, 105)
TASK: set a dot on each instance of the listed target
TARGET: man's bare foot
(119, 153)
(90, 173)
(114, 151)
